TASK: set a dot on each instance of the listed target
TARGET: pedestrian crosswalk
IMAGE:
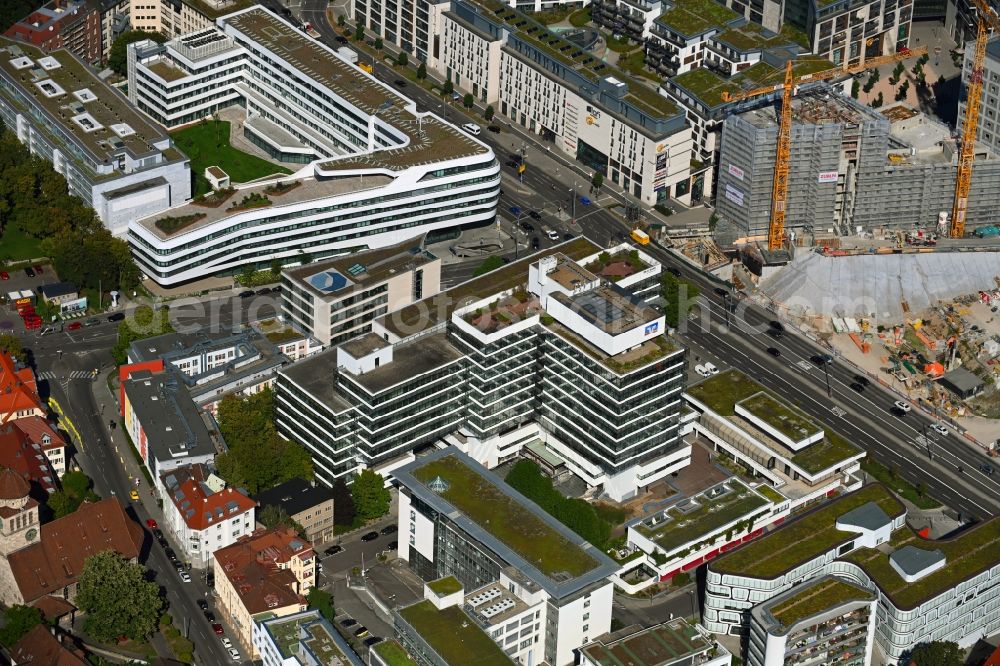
(75, 374)
(46, 375)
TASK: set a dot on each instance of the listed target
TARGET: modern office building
(925, 590)
(852, 168)
(371, 170)
(336, 300)
(458, 519)
(112, 157)
(673, 643)
(301, 639)
(491, 365)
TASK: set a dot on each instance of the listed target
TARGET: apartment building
(180, 17)
(202, 516)
(309, 504)
(264, 575)
(550, 581)
(301, 639)
(371, 170)
(672, 643)
(924, 590)
(112, 157)
(988, 134)
(19, 396)
(74, 25)
(336, 300)
(288, 340)
(850, 32)
(464, 365)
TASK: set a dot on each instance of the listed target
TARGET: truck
(350, 55)
(640, 236)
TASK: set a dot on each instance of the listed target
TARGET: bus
(640, 236)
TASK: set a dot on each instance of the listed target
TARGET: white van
(472, 129)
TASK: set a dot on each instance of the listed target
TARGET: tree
(902, 92)
(305, 258)
(321, 601)
(359, 33)
(275, 267)
(343, 504)
(877, 102)
(341, 20)
(117, 598)
(491, 263)
(488, 113)
(938, 653)
(679, 296)
(378, 44)
(18, 620)
(118, 57)
(274, 515)
(468, 101)
(421, 71)
(141, 323)
(448, 87)
(898, 70)
(855, 88)
(76, 489)
(371, 497)
(597, 181)
(402, 59)
(13, 346)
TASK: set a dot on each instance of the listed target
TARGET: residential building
(827, 618)
(204, 518)
(490, 367)
(336, 300)
(41, 434)
(19, 397)
(371, 171)
(301, 639)
(988, 134)
(288, 340)
(463, 521)
(180, 17)
(673, 643)
(58, 292)
(39, 560)
(74, 25)
(851, 32)
(924, 590)
(114, 21)
(163, 422)
(589, 110)
(119, 163)
(19, 453)
(309, 504)
(263, 575)
(852, 168)
(212, 364)
(679, 38)
(40, 646)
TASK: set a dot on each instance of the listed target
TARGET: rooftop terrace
(309, 632)
(504, 515)
(804, 538)
(691, 519)
(707, 86)
(358, 270)
(453, 635)
(689, 18)
(99, 117)
(661, 645)
(394, 654)
(809, 599)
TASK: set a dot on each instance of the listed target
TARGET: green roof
(687, 527)
(506, 518)
(445, 586)
(693, 17)
(721, 393)
(751, 36)
(706, 85)
(288, 635)
(804, 538)
(394, 654)
(770, 493)
(454, 635)
(966, 555)
(662, 644)
(813, 598)
(787, 420)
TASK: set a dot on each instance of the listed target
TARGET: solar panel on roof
(356, 269)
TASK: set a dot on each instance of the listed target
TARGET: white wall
(571, 633)
(419, 528)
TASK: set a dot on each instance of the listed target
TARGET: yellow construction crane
(779, 189)
(987, 20)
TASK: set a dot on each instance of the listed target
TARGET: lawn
(207, 144)
(394, 654)
(635, 63)
(692, 17)
(505, 518)
(453, 635)
(580, 18)
(445, 586)
(18, 245)
(790, 422)
(902, 487)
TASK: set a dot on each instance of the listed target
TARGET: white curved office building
(372, 170)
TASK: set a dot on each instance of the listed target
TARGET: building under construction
(853, 169)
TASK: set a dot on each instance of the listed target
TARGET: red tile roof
(53, 608)
(39, 646)
(993, 659)
(13, 485)
(19, 453)
(198, 506)
(56, 560)
(36, 428)
(18, 391)
(251, 565)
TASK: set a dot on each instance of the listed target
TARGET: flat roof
(721, 393)
(98, 116)
(519, 531)
(708, 86)
(804, 538)
(360, 270)
(453, 635)
(363, 345)
(610, 308)
(393, 653)
(661, 645)
(812, 598)
(693, 17)
(310, 634)
(784, 418)
(408, 360)
(753, 36)
(172, 423)
(316, 375)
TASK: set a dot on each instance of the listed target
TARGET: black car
(399, 83)
(861, 379)
(210, 616)
(170, 553)
(29, 271)
(534, 214)
(513, 164)
(674, 271)
(393, 545)
(333, 550)
(535, 243)
(776, 325)
(897, 412)
(348, 622)
(371, 536)
(527, 226)
(210, 579)
(775, 332)
(774, 351)
(986, 469)
(118, 316)
(261, 292)
(157, 534)
(202, 604)
(373, 640)
(494, 128)
(858, 386)
(388, 529)
(246, 294)
(341, 39)
(568, 236)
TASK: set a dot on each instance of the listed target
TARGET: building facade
(851, 32)
(301, 639)
(308, 504)
(988, 134)
(370, 170)
(74, 25)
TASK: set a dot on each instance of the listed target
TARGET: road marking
(805, 365)
(70, 428)
(839, 411)
(47, 375)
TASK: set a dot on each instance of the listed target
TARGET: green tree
(679, 296)
(13, 346)
(139, 324)
(275, 267)
(597, 181)
(359, 33)
(938, 653)
(468, 101)
(491, 263)
(18, 620)
(448, 87)
(855, 88)
(118, 57)
(402, 59)
(344, 512)
(371, 497)
(488, 113)
(321, 601)
(117, 598)
(421, 71)
(305, 258)
(877, 102)
(341, 20)
(76, 489)
(378, 44)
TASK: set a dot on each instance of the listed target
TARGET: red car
(217, 628)
(150, 523)
(74, 326)
(32, 324)
(4, 275)
(38, 270)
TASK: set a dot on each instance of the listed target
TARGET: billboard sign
(734, 194)
(827, 177)
(74, 306)
(736, 171)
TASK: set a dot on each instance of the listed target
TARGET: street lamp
(725, 304)
(826, 369)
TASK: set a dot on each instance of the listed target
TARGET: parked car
(861, 379)
(399, 83)
(226, 643)
(494, 128)
(234, 654)
(373, 640)
(393, 545)
(568, 236)
(857, 386)
(774, 351)
(29, 271)
(534, 214)
(348, 622)
(370, 536)
(986, 469)
(151, 524)
(712, 370)
(388, 529)
(74, 326)
(940, 429)
(472, 129)
(333, 550)
(217, 628)
(134, 495)
(185, 576)
(905, 406)
(341, 39)
(4, 275)
(202, 604)
(210, 616)
(118, 316)
(701, 371)
(535, 243)
(93, 321)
